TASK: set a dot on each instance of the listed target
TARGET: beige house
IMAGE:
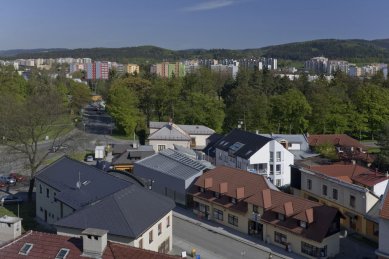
(74, 196)
(248, 203)
(352, 189)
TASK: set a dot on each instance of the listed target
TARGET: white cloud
(209, 5)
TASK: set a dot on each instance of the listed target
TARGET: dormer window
(281, 216)
(202, 189)
(26, 248)
(62, 253)
(217, 194)
(233, 200)
(303, 224)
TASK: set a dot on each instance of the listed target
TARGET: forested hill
(358, 51)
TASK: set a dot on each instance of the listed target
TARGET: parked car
(17, 177)
(89, 158)
(10, 199)
(8, 180)
(56, 148)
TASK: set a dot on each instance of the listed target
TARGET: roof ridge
(121, 212)
(17, 239)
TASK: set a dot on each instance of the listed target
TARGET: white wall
(379, 188)
(168, 143)
(295, 146)
(200, 139)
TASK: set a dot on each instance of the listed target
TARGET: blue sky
(183, 24)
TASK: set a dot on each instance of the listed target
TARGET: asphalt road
(209, 244)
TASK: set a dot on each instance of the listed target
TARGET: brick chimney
(223, 187)
(10, 228)
(266, 198)
(240, 193)
(94, 242)
(208, 182)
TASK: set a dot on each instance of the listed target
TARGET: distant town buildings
(132, 69)
(97, 70)
(168, 70)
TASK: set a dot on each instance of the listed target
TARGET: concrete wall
(200, 139)
(49, 204)
(383, 247)
(10, 228)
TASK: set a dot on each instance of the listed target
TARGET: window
(161, 147)
(62, 253)
(47, 193)
(278, 168)
(140, 243)
(303, 224)
(309, 184)
(218, 214)
(281, 216)
(271, 169)
(280, 238)
(220, 155)
(26, 248)
(352, 201)
(40, 189)
(255, 208)
(203, 208)
(168, 221)
(233, 200)
(150, 236)
(159, 229)
(202, 189)
(217, 195)
(278, 182)
(278, 156)
(313, 250)
(271, 156)
(233, 220)
(324, 190)
(335, 194)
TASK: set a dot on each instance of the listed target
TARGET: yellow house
(246, 202)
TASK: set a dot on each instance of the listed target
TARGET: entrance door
(45, 215)
(255, 229)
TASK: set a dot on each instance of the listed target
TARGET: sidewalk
(276, 251)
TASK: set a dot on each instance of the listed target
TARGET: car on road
(10, 199)
(89, 158)
(17, 177)
(7, 180)
(56, 148)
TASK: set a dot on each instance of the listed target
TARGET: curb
(232, 236)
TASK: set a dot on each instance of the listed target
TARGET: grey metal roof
(120, 148)
(173, 163)
(132, 155)
(190, 129)
(169, 132)
(129, 212)
(64, 174)
(186, 151)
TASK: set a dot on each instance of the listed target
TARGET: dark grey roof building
(170, 173)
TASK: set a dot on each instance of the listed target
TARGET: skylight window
(26, 249)
(62, 253)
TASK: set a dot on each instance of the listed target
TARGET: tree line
(258, 100)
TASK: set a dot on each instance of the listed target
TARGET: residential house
(352, 189)
(297, 144)
(74, 196)
(170, 173)
(209, 152)
(347, 148)
(92, 243)
(256, 154)
(125, 161)
(164, 135)
(247, 202)
(383, 248)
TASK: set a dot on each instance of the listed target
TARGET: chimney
(288, 207)
(223, 187)
(10, 228)
(309, 215)
(94, 242)
(208, 182)
(240, 193)
(266, 198)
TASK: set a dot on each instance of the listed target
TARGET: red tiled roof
(384, 211)
(47, 245)
(335, 139)
(351, 174)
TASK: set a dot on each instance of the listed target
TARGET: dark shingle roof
(249, 142)
(212, 140)
(64, 174)
(129, 212)
(132, 155)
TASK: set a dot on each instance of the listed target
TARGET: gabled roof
(64, 174)
(335, 139)
(123, 213)
(46, 245)
(173, 163)
(351, 173)
(190, 129)
(131, 155)
(210, 150)
(251, 142)
(170, 132)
